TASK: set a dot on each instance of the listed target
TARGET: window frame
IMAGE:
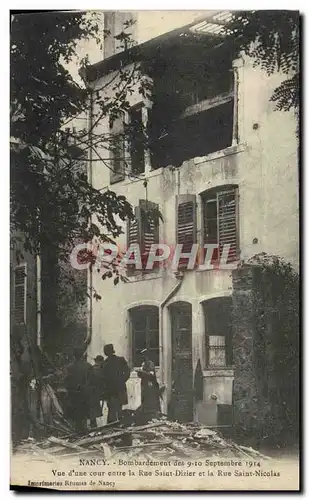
(141, 235)
(140, 106)
(142, 310)
(212, 195)
(117, 129)
(228, 335)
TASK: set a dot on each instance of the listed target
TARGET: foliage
(272, 39)
(266, 351)
(53, 203)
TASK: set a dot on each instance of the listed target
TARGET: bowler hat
(109, 349)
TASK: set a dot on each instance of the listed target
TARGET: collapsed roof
(210, 33)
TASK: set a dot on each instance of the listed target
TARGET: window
(195, 110)
(145, 333)
(217, 313)
(117, 150)
(186, 224)
(144, 231)
(20, 291)
(136, 135)
(220, 217)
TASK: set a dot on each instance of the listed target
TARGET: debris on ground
(160, 438)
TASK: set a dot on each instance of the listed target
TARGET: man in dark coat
(150, 391)
(78, 385)
(115, 374)
(97, 388)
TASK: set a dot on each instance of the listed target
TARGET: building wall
(263, 164)
(27, 331)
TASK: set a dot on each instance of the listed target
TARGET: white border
(4, 184)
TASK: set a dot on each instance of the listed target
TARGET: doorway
(181, 404)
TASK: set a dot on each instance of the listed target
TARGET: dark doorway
(181, 404)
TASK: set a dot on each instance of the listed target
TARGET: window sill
(231, 150)
(218, 372)
(116, 181)
(231, 266)
(140, 276)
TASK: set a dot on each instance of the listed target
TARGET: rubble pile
(160, 438)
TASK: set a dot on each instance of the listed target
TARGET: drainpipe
(89, 270)
(179, 277)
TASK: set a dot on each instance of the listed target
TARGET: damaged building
(220, 164)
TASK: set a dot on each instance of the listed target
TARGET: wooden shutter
(210, 227)
(227, 222)
(117, 151)
(143, 231)
(186, 221)
(149, 230)
(134, 230)
(20, 294)
(185, 224)
(134, 234)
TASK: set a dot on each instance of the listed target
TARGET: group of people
(88, 386)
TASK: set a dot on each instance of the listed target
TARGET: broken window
(136, 140)
(220, 221)
(117, 150)
(145, 333)
(218, 332)
(20, 291)
(193, 104)
(195, 135)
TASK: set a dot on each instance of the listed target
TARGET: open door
(181, 404)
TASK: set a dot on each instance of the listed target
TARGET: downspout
(89, 270)
(179, 277)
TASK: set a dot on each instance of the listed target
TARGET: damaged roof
(212, 25)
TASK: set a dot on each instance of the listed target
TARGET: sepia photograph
(154, 250)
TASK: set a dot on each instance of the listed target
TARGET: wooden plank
(105, 437)
(143, 445)
(64, 443)
(98, 439)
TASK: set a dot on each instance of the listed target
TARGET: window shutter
(227, 222)
(20, 291)
(149, 230)
(186, 221)
(185, 224)
(117, 151)
(133, 235)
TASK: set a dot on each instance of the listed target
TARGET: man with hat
(115, 374)
(150, 391)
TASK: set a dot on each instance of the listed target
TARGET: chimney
(114, 22)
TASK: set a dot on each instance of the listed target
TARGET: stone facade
(262, 163)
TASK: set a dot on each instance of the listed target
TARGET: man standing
(115, 374)
(78, 386)
(97, 388)
(150, 391)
